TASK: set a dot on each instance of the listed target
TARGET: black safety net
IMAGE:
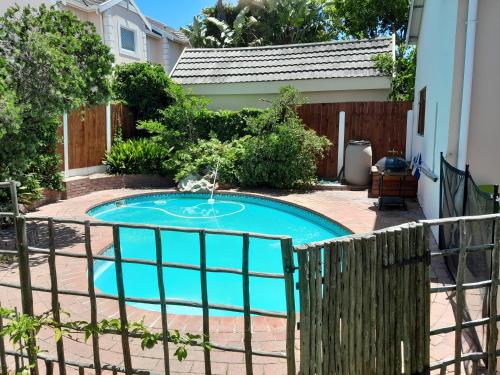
(461, 196)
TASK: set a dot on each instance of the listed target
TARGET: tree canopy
(49, 62)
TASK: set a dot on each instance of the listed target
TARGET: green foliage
(49, 62)
(203, 156)
(22, 331)
(368, 18)
(189, 120)
(145, 88)
(259, 22)
(403, 71)
(137, 156)
(282, 153)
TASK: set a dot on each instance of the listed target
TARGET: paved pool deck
(354, 209)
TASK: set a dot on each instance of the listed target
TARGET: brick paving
(354, 209)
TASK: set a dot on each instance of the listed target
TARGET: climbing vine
(22, 330)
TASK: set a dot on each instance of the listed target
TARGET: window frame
(422, 103)
(125, 50)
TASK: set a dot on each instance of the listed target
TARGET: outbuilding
(328, 72)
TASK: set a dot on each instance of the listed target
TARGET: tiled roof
(179, 36)
(338, 59)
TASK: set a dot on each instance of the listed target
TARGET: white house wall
(435, 71)
(236, 102)
(484, 132)
(116, 17)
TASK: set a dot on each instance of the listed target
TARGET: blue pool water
(229, 212)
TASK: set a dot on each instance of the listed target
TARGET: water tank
(358, 161)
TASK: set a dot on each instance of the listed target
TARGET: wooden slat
(406, 305)
(3, 359)
(288, 271)
(492, 337)
(92, 297)
(247, 338)
(305, 331)
(163, 305)
(460, 296)
(54, 294)
(25, 282)
(122, 308)
(326, 312)
(204, 299)
(351, 305)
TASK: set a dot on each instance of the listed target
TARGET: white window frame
(127, 51)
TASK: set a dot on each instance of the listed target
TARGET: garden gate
(365, 304)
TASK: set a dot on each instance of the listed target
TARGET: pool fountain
(211, 200)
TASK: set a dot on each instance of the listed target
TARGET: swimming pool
(237, 212)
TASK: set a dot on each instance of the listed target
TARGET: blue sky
(175, 13)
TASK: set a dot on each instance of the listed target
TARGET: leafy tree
(259, 22)
(402, 69)
(49, 62)
(145, 88)
(368, 18)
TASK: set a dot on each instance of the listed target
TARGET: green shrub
(189, 120)
(145, 88)
(282, 153)
(202, 158)
(138, 156)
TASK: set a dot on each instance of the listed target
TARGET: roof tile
(337, 59)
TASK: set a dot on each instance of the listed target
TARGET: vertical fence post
(54, 293)
(3, 359)
(495, 200)
(492, 339)
(460, 296)
(247, 339)
(340, 160)
(13, 197)
(466, 190)
(127, 360)
(65, 143)
(163, 307)
(204, 299)
(409, 134)
(288, 270)
(26, 291)
(108, 126)
(92, 297)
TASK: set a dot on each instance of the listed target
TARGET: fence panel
(361, 297)
(25, 253)
(382, 123)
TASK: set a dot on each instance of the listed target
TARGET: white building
(328, 72)
(457, 90)
(131, 35)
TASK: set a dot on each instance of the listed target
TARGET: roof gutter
(470, 44)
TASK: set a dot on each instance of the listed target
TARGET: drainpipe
(470, 44)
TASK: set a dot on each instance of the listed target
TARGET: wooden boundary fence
(87, 134)
(382, 123)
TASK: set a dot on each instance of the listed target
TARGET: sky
(175, 13)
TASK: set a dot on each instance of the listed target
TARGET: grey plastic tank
(358, 162)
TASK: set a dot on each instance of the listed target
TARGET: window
(421, 111)
(127, 39)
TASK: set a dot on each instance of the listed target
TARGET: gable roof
(103, 5)
(172, 34)
(338, 59)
